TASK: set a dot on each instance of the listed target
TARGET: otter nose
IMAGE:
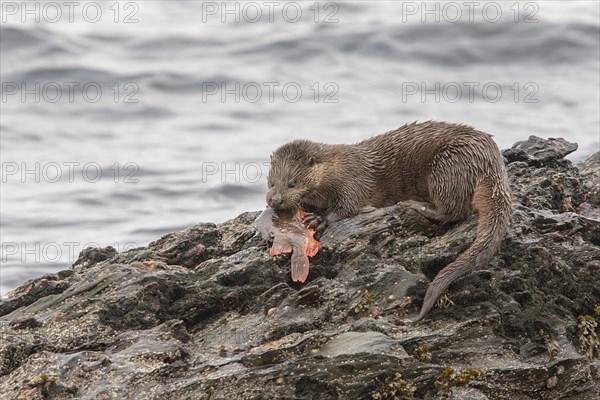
(276, 202)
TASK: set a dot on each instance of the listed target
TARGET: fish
(289, 235)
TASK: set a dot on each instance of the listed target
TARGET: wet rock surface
(205, 313)
(538, 151)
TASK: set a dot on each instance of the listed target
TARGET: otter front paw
(315, 221)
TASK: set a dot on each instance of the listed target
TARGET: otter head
(293, 174)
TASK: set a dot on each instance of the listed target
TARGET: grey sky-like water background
(123, 121)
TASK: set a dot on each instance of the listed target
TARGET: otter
(444, 171)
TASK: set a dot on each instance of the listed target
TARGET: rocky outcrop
(205, 313)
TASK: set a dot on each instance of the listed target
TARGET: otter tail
(492, 200)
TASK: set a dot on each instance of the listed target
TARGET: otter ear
(311, 161)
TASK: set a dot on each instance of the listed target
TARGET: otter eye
(292, 184)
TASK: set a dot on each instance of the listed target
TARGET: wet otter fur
(444, 171)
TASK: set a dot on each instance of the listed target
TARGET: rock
(34, 289)
(351, 343)
(24, 323)
(93, 255)
(205, 313)
(590, 172)
(538, 151)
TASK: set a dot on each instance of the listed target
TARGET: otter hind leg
(429, 211)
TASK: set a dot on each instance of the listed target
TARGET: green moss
(41, 380)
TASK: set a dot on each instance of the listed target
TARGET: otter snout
(276, 202)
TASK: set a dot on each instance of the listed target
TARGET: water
(174, 149)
